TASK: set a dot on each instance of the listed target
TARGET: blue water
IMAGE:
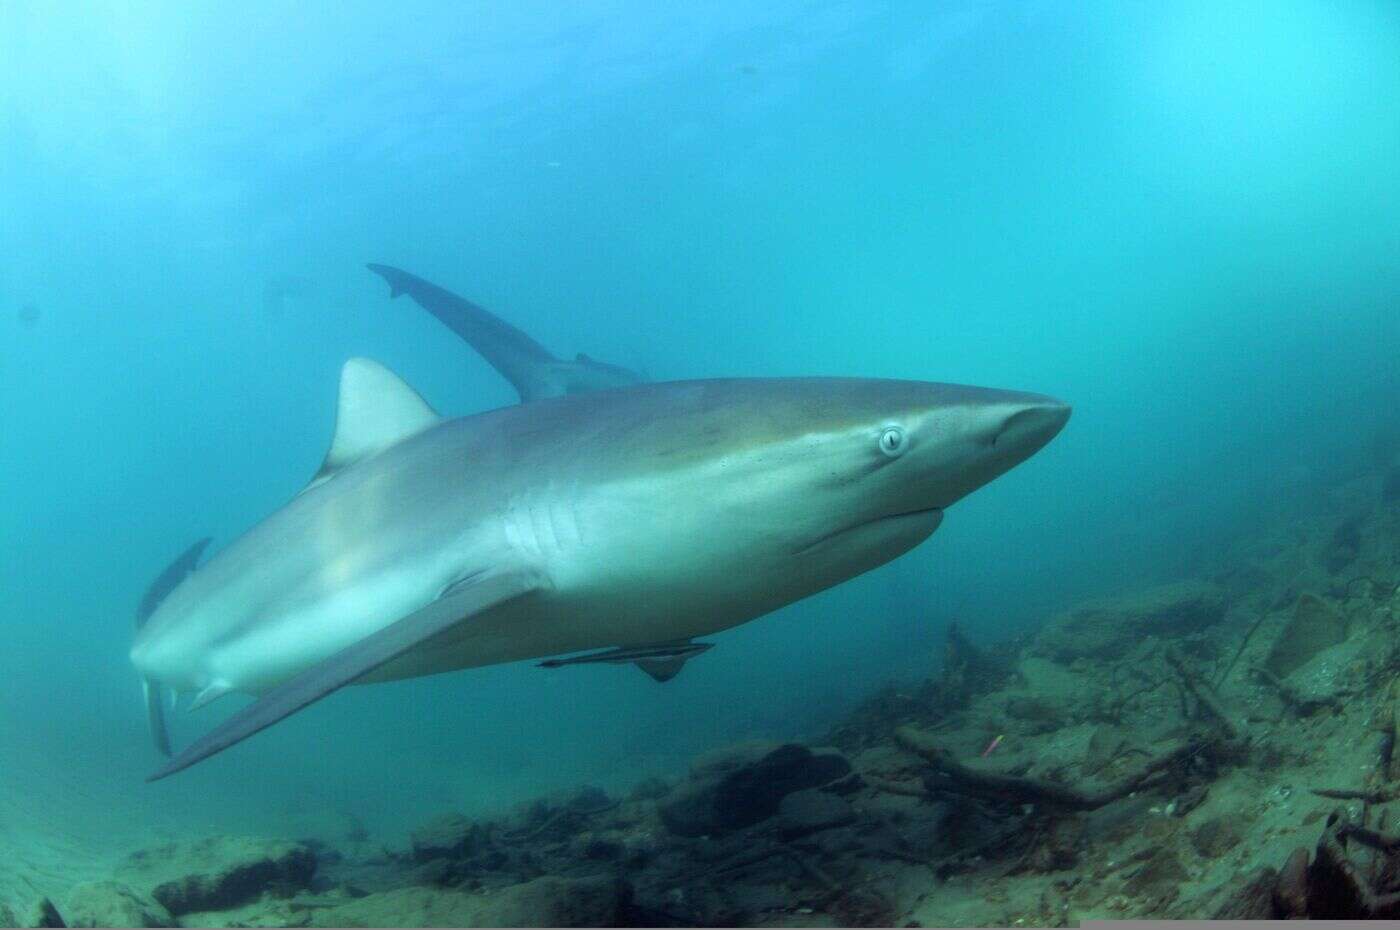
(1184, 218)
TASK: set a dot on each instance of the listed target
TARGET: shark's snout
(1027, 430)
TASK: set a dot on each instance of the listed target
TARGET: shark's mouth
(891, 523)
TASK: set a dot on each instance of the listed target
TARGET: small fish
(993, 745)
(29, 314)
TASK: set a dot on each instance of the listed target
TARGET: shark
(627, 522)
(530, 368)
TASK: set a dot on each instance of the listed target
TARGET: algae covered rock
(544, 902)
(1313, 626)
(44, 914)
(1159, 878)
(1035, 712)
(1215, 837)
(447, 836)
(556, 902)
(1107, 628)
(1106, 743)
(726, 759)
(112, 904)
(750, 792)
(415, 906)
(223, 872)
(812, 811)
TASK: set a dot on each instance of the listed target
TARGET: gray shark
(631, 520)
(527, 365)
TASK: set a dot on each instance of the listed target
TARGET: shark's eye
(892, 441)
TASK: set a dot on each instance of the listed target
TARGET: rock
(112, 904)
(1038, 714)
(223, 872)
(440, 873)
(650, 789)
(1254, 901)
(640, 848)
(544, 902)
(753, 793)
(557, 902)
(1159, 878)
(811, 811)
(753, 900)
(1215, 837)
(588, 798)
(726, 759)
(44, 914)
(1189, 799)
(690, 810)
(750, 792)
(414, 906)
(1344, 546)
(1106, 743)
(447, 836)
(1107, 628)
(605, 847)
(1115, 822)
(1058, 848)
(1313, 627)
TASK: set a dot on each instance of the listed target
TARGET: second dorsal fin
(376, 410)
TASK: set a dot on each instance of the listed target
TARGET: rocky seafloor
(1214, 747)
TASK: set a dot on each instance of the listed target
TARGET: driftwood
(1337, 888)
(895, 787)
(564, 813)
(1376, 588)
(1331, 886)
(1291, 891)
(947, 775)
(1244, 643)
(1203, 693)
(1373, 796)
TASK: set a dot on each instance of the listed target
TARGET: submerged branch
(949, 775)
(1376, 796)
(1202, 692)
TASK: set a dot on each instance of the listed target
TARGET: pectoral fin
(155, 716)
(662, 661)
(464, 600)
(168, 580)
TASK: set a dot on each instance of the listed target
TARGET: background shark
(522, 361)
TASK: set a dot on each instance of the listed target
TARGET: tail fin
(165, 582)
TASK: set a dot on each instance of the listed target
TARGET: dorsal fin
(376, 410)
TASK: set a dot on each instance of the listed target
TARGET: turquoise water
(1183, 218)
